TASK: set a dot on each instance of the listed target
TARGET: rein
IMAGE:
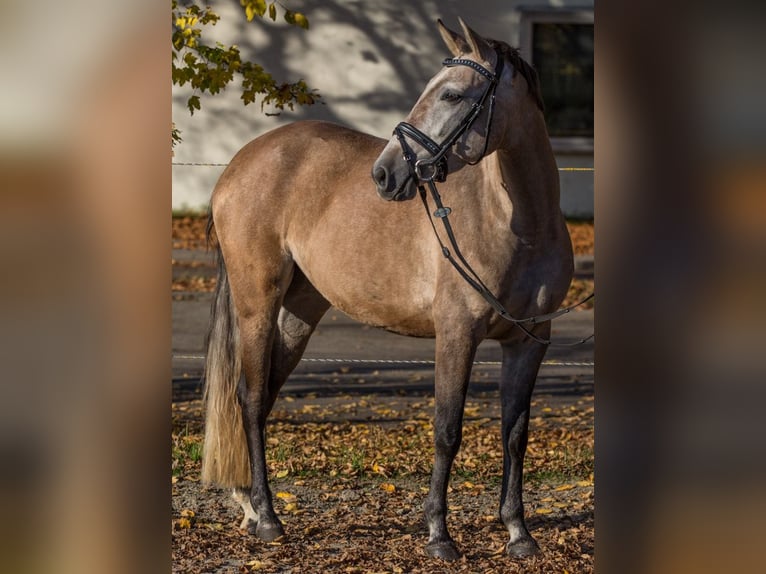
(434, 169)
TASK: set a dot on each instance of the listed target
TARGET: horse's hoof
(523, 547)
(444, 550)
(266, 532)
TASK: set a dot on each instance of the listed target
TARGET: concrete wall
(369, 60)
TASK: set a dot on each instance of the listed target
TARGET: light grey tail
(225, 460)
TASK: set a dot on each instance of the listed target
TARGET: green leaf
(273, 11)
(193, 104)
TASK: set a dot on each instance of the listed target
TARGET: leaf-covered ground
(350, 476)
(199, 275)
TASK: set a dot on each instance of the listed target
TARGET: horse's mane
(519, 65)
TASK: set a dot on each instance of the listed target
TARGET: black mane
(520, 65)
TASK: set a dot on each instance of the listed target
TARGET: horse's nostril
(380, 176)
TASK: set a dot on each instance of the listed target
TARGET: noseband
(435, 167)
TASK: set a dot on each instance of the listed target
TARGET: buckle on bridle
(430, 169)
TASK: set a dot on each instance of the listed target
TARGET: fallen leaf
(184, 523)
(286, 496)
(388, 487)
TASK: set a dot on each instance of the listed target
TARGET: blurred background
(86, 174)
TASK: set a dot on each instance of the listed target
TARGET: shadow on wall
(369, 61)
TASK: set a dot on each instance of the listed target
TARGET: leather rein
(434, 169)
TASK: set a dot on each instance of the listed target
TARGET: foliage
(210, 68)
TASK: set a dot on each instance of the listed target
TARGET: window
(559, 44)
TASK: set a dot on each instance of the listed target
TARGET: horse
(314, 214)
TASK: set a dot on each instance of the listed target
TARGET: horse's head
(453, 122)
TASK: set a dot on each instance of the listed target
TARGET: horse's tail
(225, 460)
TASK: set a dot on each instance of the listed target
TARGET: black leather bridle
(434, 169)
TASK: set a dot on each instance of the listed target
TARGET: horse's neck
(530, 179)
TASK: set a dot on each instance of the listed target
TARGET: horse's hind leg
(302, 309)
(521, 361)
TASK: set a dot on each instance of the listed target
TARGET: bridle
(434, 169)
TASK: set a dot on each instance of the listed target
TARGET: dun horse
(299, 228)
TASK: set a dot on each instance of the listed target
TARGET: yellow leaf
(584, 483)
(564, 487)
(184, 523)
(388, 487)
(187, 513)
(291, 507)
(287, 497)
(468, 484)
(543, 511)
(301, 20)
(249, 12)
(283, 473)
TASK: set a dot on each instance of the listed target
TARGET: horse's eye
(450, 96)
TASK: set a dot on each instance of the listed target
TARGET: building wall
(369, 60)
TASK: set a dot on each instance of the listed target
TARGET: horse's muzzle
(388, 185)
(380, 177)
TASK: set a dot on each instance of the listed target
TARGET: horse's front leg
(455, 350)
(521, 361)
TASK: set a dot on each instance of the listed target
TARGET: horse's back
(289, 170)
(309, 145)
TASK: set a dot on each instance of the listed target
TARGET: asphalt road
(345, 341)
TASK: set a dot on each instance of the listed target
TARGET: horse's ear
(455, 42)
(478, 45)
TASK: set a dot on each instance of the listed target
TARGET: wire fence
(403, 362)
